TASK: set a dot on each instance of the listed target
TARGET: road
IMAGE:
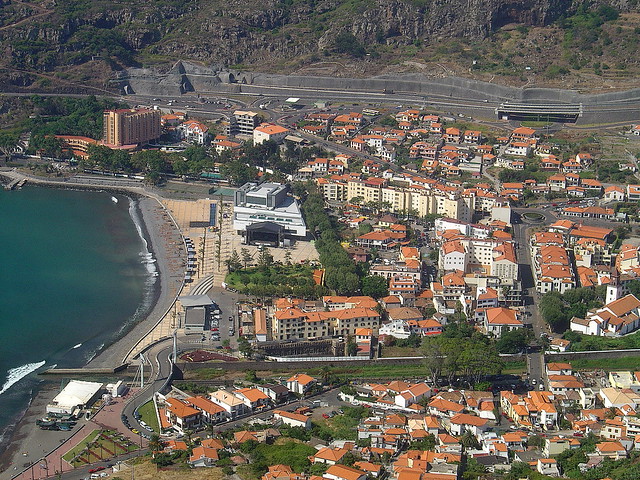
(330, 397)
(535, 360)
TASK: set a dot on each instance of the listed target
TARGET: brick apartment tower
(131, 126)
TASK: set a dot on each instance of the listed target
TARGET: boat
(45, 422)
(114, 199)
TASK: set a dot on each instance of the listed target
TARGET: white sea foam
(14, 375)
(147, 257)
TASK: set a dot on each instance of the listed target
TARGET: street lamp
(45, 466)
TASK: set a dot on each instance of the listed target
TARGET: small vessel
(45, 422)
(114, 199)
(77, 346)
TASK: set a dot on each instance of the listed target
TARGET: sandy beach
(166, 244)
(28, 443)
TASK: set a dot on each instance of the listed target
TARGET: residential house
(301, 383)
(211, 412)
(277, 393)
(181, 415)
(613, 450)
(194, 132)
(614, 193)
(329, 455)
(293, 419)
(253, 398)
(548, 466)
(203, 457)
(342, 472)
(500, 319)
(462, 422)
(232, 404)
(269, 132)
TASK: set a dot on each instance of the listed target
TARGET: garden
(97, 446)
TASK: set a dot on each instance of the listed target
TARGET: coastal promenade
(29, 444)
(45, 450)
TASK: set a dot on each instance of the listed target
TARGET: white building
(246, 121)
(267, 203)
(397, 329)
(76, 396)
(266, 132)
(194, 132)
(619, 317)
(292, 419)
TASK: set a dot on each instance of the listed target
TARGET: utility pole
(175, 346)
(141, 370)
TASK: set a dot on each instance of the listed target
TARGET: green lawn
(80, 446)
(514, 368)
(274, 280)
(619, 363)
(148, 413)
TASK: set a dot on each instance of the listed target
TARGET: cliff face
(50, 35)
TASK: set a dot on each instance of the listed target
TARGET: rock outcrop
(58, 33)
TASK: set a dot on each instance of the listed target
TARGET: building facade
(131, 126)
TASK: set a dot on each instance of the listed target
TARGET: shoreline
(165, 243)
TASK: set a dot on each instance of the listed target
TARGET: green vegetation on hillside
(284, 452)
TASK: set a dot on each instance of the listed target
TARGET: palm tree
(325, 374)
(211, 429)
(188, 433)
(469, 440)
(155, 444)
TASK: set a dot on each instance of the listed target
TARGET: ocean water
(75, 272)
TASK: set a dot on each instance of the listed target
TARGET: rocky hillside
(58, 43)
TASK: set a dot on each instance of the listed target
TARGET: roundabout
(533, 217)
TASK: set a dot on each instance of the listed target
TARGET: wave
(146, 255)
(14, 375)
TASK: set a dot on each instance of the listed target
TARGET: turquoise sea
(74, 273)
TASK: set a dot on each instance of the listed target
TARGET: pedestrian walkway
(108, 418)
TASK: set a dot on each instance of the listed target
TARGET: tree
(375, 286)
(433, 359)
(265, 259)
(325, 374)
(8, 142)
(244, 347)
(247, 258)
(250, 375)
(514, 341)
(469, 440)
(287, 257)
(238, 173)
(162, 459)
(155, 443)
(233, 263)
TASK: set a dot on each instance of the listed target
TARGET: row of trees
(341, 272)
